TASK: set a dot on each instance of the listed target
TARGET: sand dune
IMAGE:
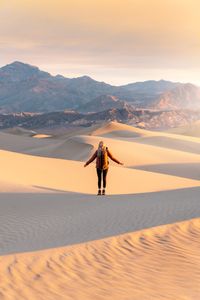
(108, 129)
(20, 131)
(171, 143)
(136, 153)
(23, 144)
(35, 221)
(72, 148)
(146, 148)
(47, 200)
(185, 170)
(118, 130)
(63, 175)
(189, 130)
(156, 263)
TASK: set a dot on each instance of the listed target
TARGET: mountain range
(25, 88)
(149, 119)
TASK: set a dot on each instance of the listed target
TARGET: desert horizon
(85, 75)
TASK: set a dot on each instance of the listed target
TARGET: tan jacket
(99, 164)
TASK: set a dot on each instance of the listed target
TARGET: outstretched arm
(114, 159)
(91, 159)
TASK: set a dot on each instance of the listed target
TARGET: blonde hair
(101, 148)
(101, 144)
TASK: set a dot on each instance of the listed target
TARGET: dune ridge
(115, 129)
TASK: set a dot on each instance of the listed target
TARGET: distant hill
(104, 102)
(185, 96)
(147, 119)
(25, 88)
(152, 86)
(145, 93)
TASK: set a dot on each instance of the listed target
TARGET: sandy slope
(20, 131)
(62, 175)
(135, 153)
(12, 187)
(20, 143)
(192, 130)
(119, 130)
(171, 142)
(37, 221)
(158, 263)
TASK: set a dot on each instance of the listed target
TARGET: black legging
(99, 174)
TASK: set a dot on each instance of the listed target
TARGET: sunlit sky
(117, 41)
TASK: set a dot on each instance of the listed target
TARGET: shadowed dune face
(19, 131)
(22, 144)
(72, 149)
(157, 264)
(190, 146)
(191, 170)
(118, 130)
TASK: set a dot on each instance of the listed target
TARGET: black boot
(103, 192)
(99, 192)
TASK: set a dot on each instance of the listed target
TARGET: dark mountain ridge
(26, 88)
(148, 119)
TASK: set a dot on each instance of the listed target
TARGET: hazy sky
(117, 41)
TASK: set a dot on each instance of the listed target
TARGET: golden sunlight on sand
(113, 247)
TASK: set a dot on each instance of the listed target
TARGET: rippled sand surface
(158, 263)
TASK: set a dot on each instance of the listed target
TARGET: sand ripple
(30, 222)
(159, 263)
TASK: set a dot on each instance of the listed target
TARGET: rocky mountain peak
(18, 71)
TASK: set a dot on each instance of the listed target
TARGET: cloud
(142, 34)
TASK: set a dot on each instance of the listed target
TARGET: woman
(101, 155)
